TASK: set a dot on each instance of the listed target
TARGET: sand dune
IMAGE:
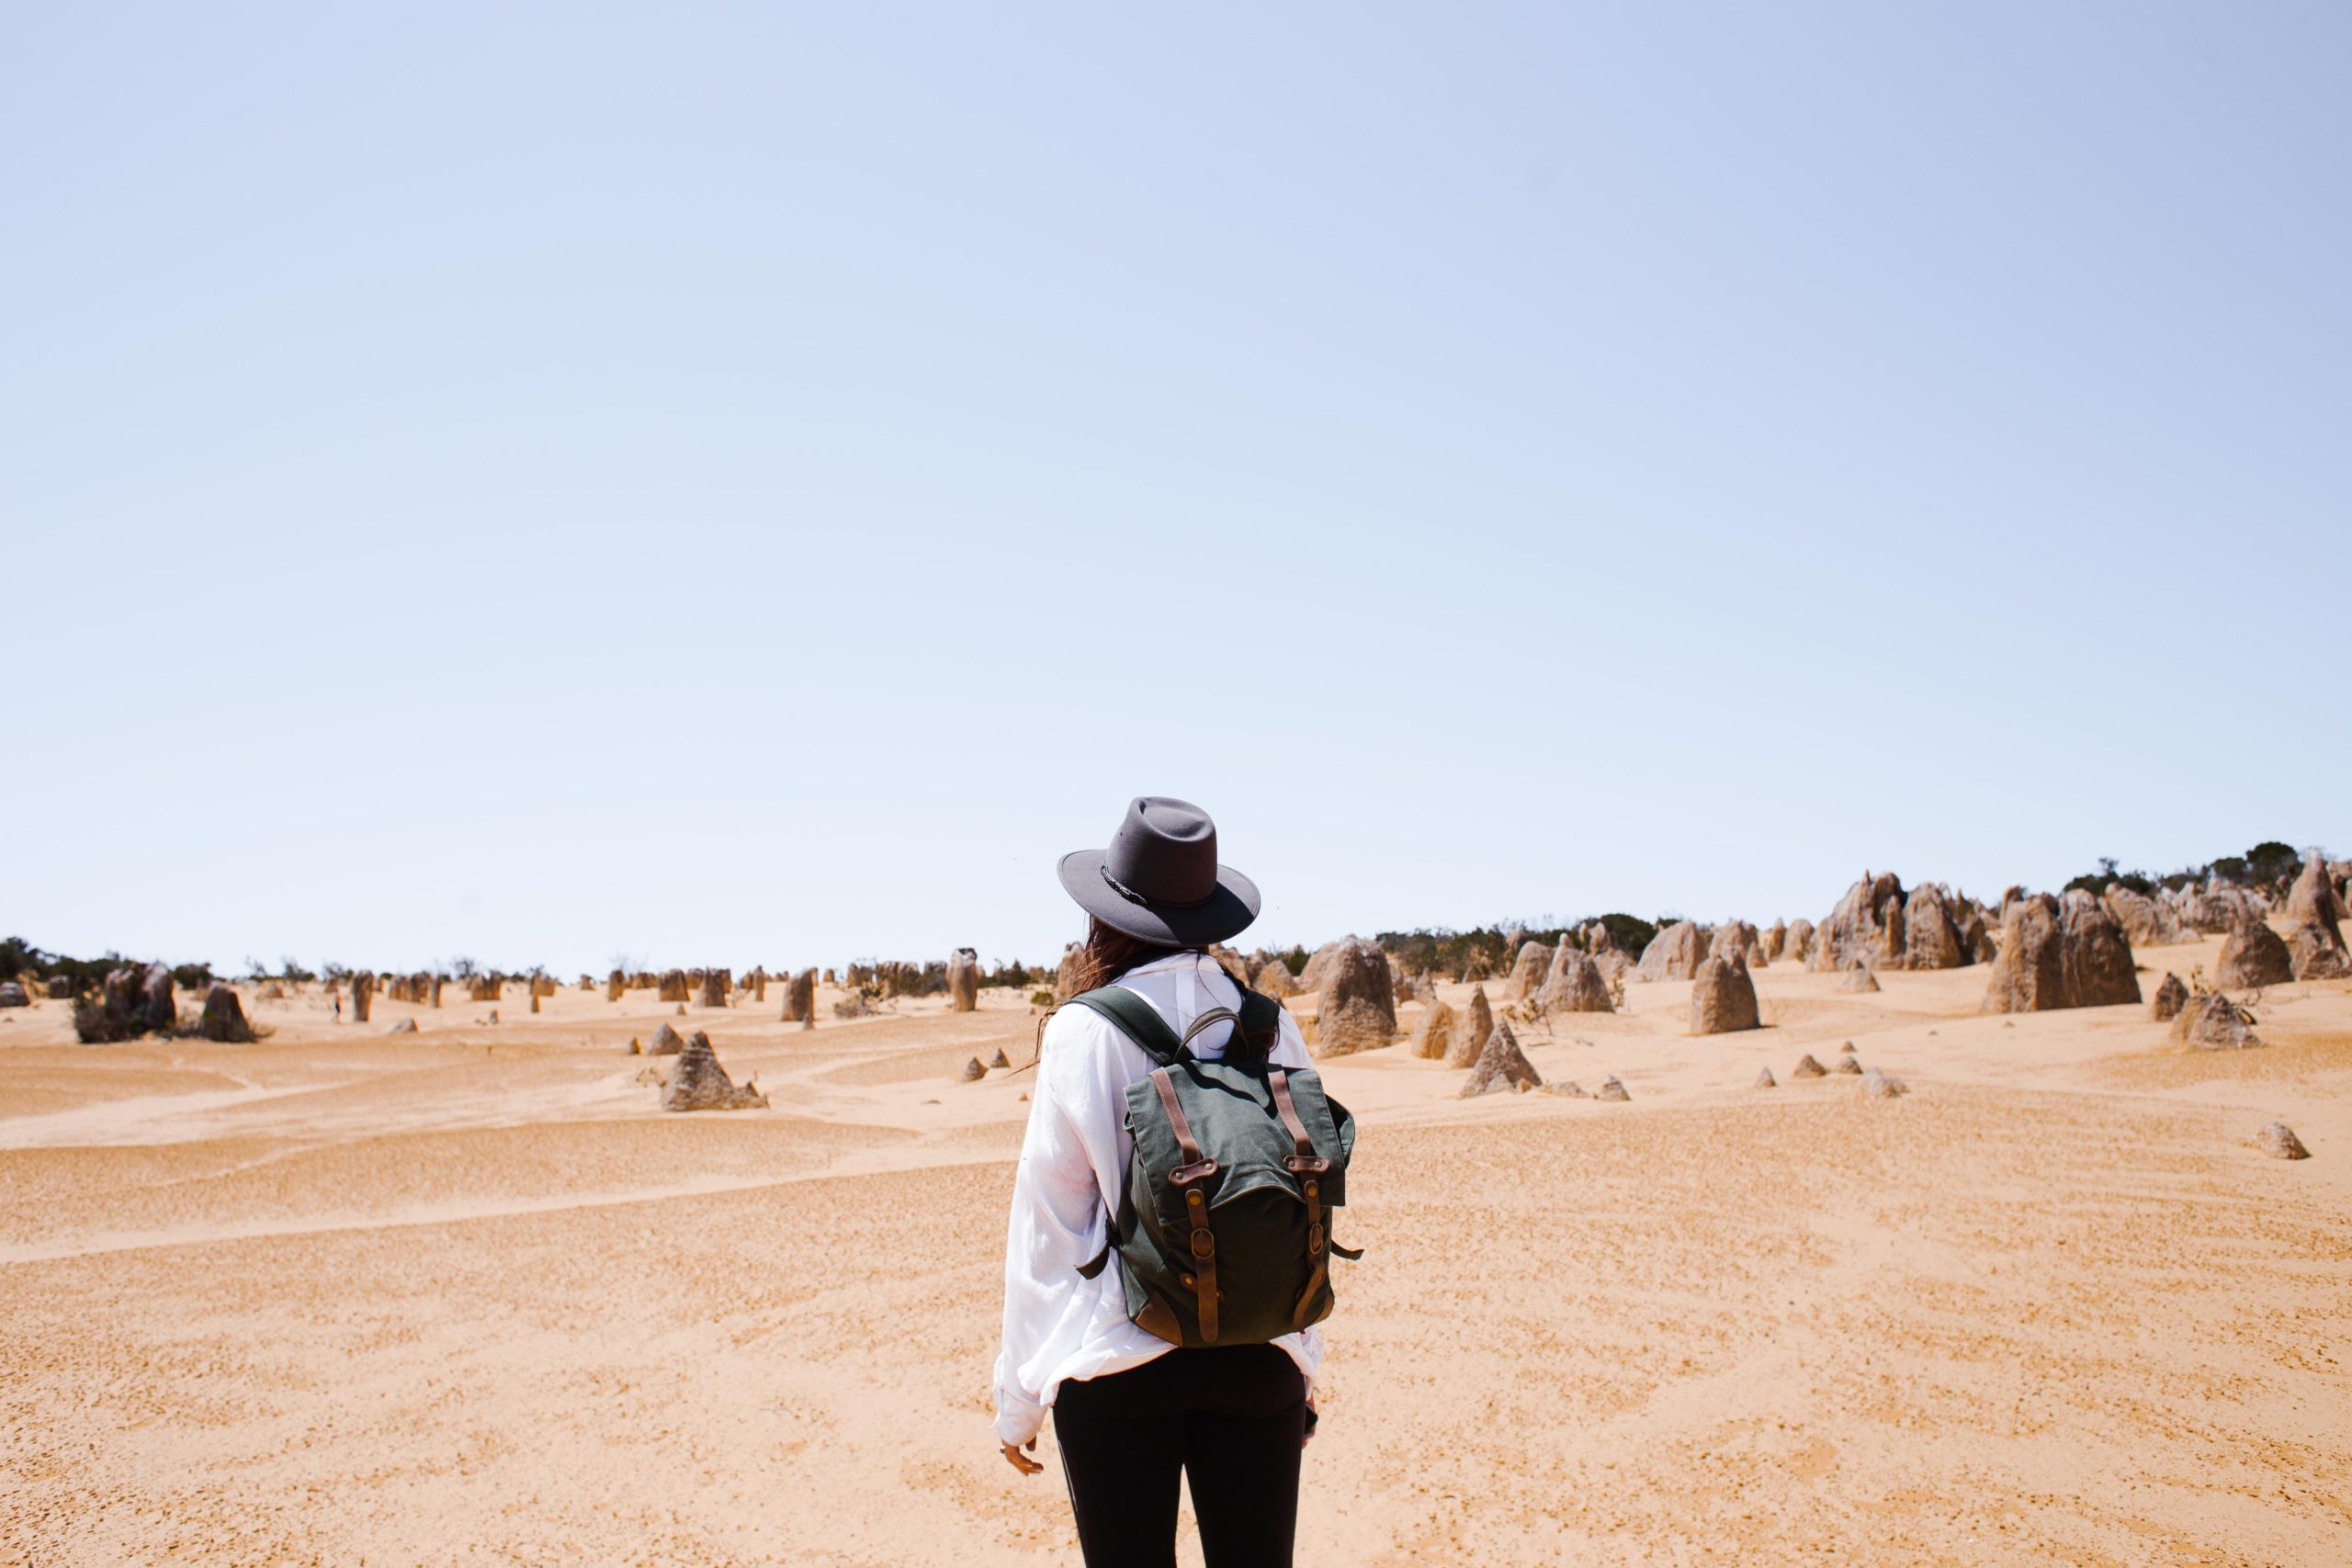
(465, 1296)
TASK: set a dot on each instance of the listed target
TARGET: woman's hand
(1021, 1461)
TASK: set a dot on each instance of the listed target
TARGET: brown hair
(1109, 952)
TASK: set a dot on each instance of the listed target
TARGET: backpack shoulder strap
(1133, 1017)
(1260, 1022)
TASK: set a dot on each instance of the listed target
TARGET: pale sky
(734, 485)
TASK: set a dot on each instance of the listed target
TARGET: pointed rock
(1470, 1038)
(224, 1016)
(1528, 971)
(1434, 1038)
(2253, 956)
(1611, 1089)
(973, 1071)
(1575, 984)
(1764, 1078)
(2317, 952)
(1807, 1068)
(2213, 1023)
(1857, 975)
(2170, 998)
(1674, 953)
(1849, 1064)
(1722, 997)
(1879, 1086)
(1274, 979)
(963, 980)
(1501, 1066)
(699, 1083)
(1357, 1010)
(666, 1042)
(1000, 1061)
(405, 1026)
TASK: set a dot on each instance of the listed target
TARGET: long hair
(1109, 952)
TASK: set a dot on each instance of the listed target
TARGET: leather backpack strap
(1309, 1168)
(1187, 1178)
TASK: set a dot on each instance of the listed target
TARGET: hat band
(1132, 896)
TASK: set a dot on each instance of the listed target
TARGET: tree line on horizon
(2269, 866)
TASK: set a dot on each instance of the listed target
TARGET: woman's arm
(1057, 1224)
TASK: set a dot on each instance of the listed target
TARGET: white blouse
(1073, 1163)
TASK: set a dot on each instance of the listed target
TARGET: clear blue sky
(756, 484)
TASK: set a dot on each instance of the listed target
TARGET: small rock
(1764, 1078)
(405, 1026)
(666, 1042)
(1846, 1049)
(1611, 1089)
(2278, 1139)
(999, 1062)
(1849, 1064)
(973, 1071)
(634, 1048)
(1809, 1069)
(12, 995)
(1570, 1089)
(1878, 1086)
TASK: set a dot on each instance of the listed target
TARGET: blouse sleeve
(1058, 1222)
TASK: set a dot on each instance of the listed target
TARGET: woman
(1131, 1412)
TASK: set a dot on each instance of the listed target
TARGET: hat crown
(1165, 850)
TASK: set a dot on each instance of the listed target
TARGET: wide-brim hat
(1159, 880)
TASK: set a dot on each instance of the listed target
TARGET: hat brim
(1225, 912)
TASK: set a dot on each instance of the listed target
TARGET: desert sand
(465, 1296)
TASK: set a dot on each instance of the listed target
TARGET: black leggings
(1231, 1419)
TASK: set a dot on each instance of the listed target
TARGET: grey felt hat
(1159, 879)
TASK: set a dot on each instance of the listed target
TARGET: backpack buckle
(1185, 1175)
(1307, 1165)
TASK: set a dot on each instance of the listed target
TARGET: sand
(465, 1296)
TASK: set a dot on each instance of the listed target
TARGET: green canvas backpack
(1223, 1234)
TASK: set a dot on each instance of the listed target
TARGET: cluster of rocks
(1876, 1085)
(1883, 927)
(421, 989)
(2052, 955)
(131, 1002)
